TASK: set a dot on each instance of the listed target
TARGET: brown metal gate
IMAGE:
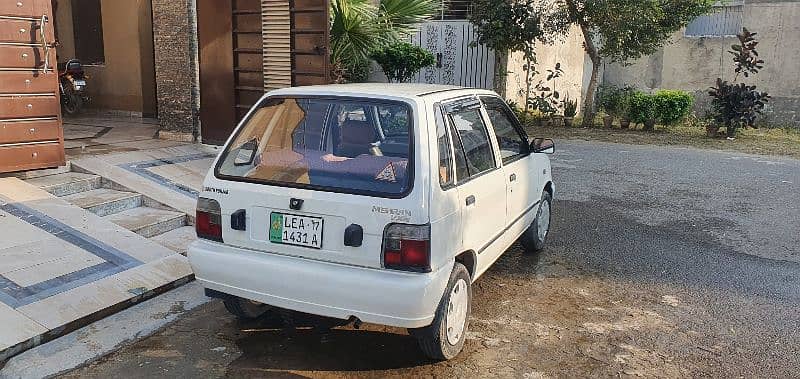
(31, 136)
(231, 39)
(231, 68)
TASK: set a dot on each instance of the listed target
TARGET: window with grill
(455, 9)
(725, 20)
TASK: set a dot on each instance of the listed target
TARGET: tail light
(208, 223)
(407, 247)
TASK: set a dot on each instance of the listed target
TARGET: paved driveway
(663, 262)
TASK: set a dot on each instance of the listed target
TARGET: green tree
(511, 26)
(622, 30)
(359, 27)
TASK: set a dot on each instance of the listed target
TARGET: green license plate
(289, 229)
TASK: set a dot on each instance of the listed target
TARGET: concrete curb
(12, 351)
(81, 346)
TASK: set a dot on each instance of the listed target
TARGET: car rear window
(359, 146)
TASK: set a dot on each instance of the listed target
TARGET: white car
(377, 203)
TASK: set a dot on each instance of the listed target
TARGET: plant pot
(712, 130)
(730, 132)
(568, 121)
(556, 121)
(649, 124)
(608, 122)
(624, 123)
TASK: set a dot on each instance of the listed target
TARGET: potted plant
(546, 99)
(706, 121)
(570, 110)
(737, 104)
(622, 106)
(607, 98)
(556, 119)
(712, 129)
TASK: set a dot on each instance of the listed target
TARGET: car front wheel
(444, 338)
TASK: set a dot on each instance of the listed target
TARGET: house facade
(196, 65)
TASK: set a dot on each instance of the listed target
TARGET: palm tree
(360, 26)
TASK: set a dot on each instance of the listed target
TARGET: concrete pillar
(175, 45)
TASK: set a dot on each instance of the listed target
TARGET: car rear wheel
(245, 309)
(535, 237)
(444, 338)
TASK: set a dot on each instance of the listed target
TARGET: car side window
(446, 178)
(470, 128)
(512, 142)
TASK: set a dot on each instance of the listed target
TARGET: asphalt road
(662, 262)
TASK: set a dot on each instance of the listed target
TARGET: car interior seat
(356, 138)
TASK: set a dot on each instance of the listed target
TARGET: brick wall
(175, 43)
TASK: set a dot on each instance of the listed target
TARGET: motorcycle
(72, 85)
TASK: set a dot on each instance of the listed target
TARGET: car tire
(245, 309)
(534, 238)
(440, 340)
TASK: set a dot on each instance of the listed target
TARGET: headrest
(357, 132)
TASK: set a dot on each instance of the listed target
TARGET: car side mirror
(543, 145)
(246, 153)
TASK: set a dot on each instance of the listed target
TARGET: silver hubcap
(544, 220)
(457, 312)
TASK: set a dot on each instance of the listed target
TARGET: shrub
(525, 117)
(615, 101)
(643, 107)
(401, 61)
(606, 98)
(673, 106)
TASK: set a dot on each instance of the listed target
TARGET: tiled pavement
(171, 175)
(93, 135)
(62, 266)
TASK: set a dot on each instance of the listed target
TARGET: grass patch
(774, 141)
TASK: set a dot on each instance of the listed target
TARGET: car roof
(381, 90)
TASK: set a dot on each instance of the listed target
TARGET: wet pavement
(662, 262)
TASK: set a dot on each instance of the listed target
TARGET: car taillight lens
(407, 247)
(208, 223)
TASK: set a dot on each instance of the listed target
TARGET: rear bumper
(385, 297)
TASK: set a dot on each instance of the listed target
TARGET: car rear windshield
(356, 146)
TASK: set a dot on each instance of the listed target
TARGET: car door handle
(470, 200)
(513, 177)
